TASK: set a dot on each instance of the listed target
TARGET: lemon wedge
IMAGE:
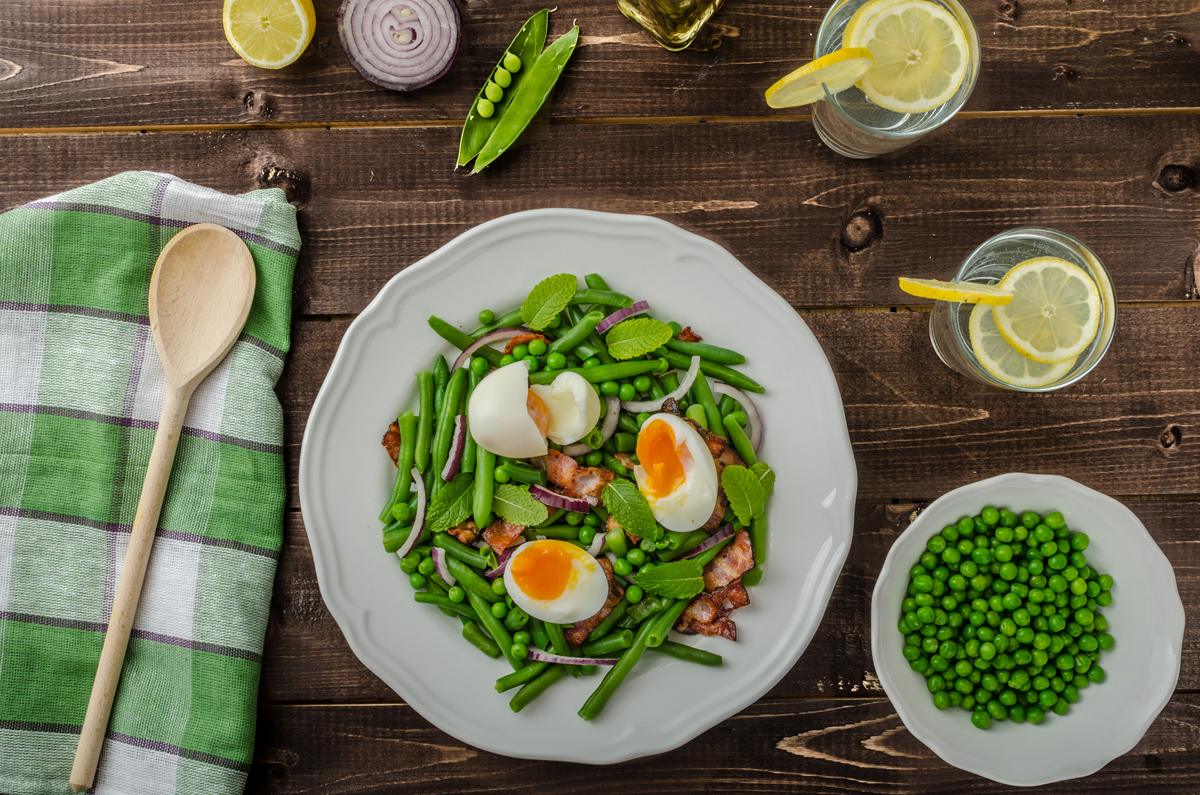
(1003, 361)
(921, 55)
(864, 13)
(838, 70)
(1055, 311)
(961, 292)
(269, 33)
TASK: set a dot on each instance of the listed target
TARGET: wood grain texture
(818, 228)
(120, 62)
(829, 747)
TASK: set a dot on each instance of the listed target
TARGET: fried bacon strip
(708, 613)
(687, 335)
(501, 535)
(522, 339)
(391, 442)
(730, 563)
(574, 480)
(577, 633)
(465, 532)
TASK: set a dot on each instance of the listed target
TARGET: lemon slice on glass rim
(1004, 362)
(269, 34)
(959, 292)
(838, 70)
(865, 13)
(1055, 311)
(921, 55)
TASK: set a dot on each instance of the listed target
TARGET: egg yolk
(665, 463)
(538, 412)
(544, 572)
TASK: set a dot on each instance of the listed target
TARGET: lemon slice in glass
(269, 33)
(838, 70)
(961, 292)
(921, 56)
(865, 12)
(1055, 311)
(1003, 361)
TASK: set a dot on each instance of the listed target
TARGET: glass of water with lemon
(1032, 310)
(885, 73)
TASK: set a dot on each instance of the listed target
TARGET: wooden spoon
(200, 295)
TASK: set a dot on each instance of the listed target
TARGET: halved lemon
(1005, 362)
(838, 70)
(1055, 311)
(865, 12)
(961, 292)
(269, 33)
(921, 56)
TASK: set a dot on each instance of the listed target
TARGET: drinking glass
(949, 324)
(672, 23)
(852, 125)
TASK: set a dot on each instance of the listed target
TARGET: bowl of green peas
(1027, 628)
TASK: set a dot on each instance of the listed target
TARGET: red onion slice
(486, 339)
(753, 418)
(458, 443)
(501, 563)
(622, 314)
(638, 406)
(419, 521)
(597, 544)
(555, 500)
(612, 411)
(716, 538)
(439, 565)
(400, 44)
(544, 656)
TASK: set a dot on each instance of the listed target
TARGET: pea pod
(526, 101)
(527, 45)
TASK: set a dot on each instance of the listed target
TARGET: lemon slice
(1005, 362)
(269, 33)
(1055, 311)
(864, 13)
(921, 56)
(838, 70)
(962, 292)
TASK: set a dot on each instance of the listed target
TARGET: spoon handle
(129, 588)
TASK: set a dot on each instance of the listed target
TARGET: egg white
(497, 415)
(582, 599)
(692, 503)
(573, 404)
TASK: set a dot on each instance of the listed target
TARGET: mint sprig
(627, 505)
(635, 337)
(549, 297)
(745, 492)
(680, 579)
(452, 505)
(515, 505)
(766, 476)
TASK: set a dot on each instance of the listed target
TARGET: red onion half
(714, 539)
(458, 443)
(753, 418)
(622, 314)
(501, 563)
(439, 564)
(400, 44)
(486, 339)
(638, 406)
(555, 500)
(419, 521)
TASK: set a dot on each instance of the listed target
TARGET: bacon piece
(671, 406)
(730, 563)
(577, 633)
(522, 339)
(501, 535)
(391, 441)
(465, 532)
(687, 335)
(574, 480)
(708, 613)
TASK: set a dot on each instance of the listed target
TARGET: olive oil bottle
(672, 23)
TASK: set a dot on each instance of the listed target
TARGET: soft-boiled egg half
(509, 417)
(556, 581)
(676, 473)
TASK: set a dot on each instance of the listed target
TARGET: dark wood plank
(374, 201)
(827, 746)
(89, 64)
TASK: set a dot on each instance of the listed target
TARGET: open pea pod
(528, 99)
(527, 45)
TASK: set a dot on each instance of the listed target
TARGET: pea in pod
(526, 46)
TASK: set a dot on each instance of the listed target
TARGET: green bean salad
(1003, 617)
(575, 497)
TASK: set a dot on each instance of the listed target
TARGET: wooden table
(1084, 119)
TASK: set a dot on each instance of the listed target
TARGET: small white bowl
(1145, 619)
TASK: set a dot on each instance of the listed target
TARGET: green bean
(656, 390)
(705, 557)
(462, 340)
(603, 372)
(437, 587)
(528, 98)
(472, 582)
(627, 423)
(518, 678)
(604, 627)
(665, 622)
(626, 442)
(485, 474)
(617, 544)
(616, 675)
(494, 628)
(689, 542)
(559, 644)
(476, 637)
(670, 382)
(602, 297)
(404, 463)
(758, 539)
(535, 688)
(599, 349)
(445, 424)
(515, 619)
(445, 603)
(688, 654)
(718, 371)
(537, 629)
(741, 442)
(647, 607)
(698, 415)
(525, 46)
(706, 351)
(425, 390)
(616, 466)
(394, 536)
(614, 642)
(704, 397)
(595, 281)
(554, 516)
(508, 320)
(441, 374)
(523, 473)
(577, 333)
(726, 405)
(562, 531)
(470, 448)
(457, 549)
(752, 577)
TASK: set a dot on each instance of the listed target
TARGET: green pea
(498, 586)
(511, 62)
(502, 78)
(493, 92)
(610, 388)
(623, 567)
(426, 566)
(587, 535)
(642, 383)
(501, 474)
(556, 361)
(417, 581)
(1105, 641)
(636, 556)
(633, 594)
(507, 359)
(981, 718)
(593, 459)
(1106, 582)
(486, 109)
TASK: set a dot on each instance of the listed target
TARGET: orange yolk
(544, 572)
(538, 412)
(665, 464)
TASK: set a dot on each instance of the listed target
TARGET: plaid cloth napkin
(81, 388)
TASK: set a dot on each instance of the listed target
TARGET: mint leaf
(746, 494)
(516, 506)
(681, 579)
(766, 476)
(547, 299)
(630, 509)
(452, 505)
(632, 338)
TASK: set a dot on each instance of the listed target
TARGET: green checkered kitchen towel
(81, 388)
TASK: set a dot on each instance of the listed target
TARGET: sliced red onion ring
(638, 406)
(612, 411)
(400, 44)
(458, 443)
(714, 539)
(622, 314)
(501, 563)
(419, 521)
(543, 656)
(753, 418)
(555, 500)
(486, 339)
(439, 565)
(597, 544)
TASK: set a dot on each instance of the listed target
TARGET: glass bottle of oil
(672, 23)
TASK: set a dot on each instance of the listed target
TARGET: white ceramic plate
(345, 478)
(1145, 619)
